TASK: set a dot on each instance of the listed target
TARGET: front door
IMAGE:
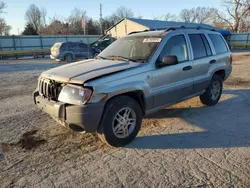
(174, 82)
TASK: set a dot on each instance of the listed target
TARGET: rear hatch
(55, 49)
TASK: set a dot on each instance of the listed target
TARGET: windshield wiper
(122, 58)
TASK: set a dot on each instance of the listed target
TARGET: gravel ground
(185, 145)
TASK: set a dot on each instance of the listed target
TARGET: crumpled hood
(82, 71)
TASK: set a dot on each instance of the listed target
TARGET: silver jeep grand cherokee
(135, 76)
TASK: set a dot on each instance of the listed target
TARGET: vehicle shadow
(225, 125)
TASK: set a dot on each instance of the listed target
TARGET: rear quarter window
(218, 43)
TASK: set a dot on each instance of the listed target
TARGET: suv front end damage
(63, 102)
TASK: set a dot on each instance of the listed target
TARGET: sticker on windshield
(152, 40)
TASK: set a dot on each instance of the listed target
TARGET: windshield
(131, 48)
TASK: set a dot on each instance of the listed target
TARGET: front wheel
(121, 121)
(213, 92)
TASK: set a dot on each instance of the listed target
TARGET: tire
(68, 58)
(212, 94)
(106, 130)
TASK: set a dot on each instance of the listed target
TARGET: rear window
(57, 45)
(218, 43)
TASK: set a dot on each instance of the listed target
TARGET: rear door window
(74, 46)
(218, 43)
(83, 46)
(198, 46)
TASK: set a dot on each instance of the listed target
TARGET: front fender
(107, 91)
(125, 88)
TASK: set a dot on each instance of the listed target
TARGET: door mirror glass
(168, 60)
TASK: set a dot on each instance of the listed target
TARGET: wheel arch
(221, 73)
(137, 95)
(69, 53)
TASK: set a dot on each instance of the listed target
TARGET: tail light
(231, 59)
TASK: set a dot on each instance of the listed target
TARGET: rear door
(202, 57)
(84, 50)
(173, 83)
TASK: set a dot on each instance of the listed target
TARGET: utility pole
(84, 25)
(101, 18)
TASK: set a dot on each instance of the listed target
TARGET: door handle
(187, 68)
(212, 61)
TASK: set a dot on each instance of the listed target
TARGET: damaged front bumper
(87, 117)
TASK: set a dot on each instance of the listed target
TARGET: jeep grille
(49, 88)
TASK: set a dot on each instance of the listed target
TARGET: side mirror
(168, 60)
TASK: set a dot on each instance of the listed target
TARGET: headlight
(75, 94)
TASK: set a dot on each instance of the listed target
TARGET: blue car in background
(70, 51)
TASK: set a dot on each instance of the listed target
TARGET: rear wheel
(121, 121)
(213, 92)
(68, 58)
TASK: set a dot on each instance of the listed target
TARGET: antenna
(101, 18)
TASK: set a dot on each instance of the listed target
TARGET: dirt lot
(185, 145)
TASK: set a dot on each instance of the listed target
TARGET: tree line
(234, 16)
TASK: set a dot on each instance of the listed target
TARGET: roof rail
(184, 27)
(138, 32)
(173, 28)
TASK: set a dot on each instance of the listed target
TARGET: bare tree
(121, 13)
(56, 27)
(198, 15)
(35, 16)
(245, 24)
(166, 17)
(4, 27)
(238, 11)
(77, 21)
(170, 17)
(43, 16)
(2, 7)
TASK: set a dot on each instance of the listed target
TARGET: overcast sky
(61, 8)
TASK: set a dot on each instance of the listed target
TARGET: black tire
(68, 58)
(207, 98)
(105, 131)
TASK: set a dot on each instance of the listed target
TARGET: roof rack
(138, 32)
(173, 28)
(184, 27)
